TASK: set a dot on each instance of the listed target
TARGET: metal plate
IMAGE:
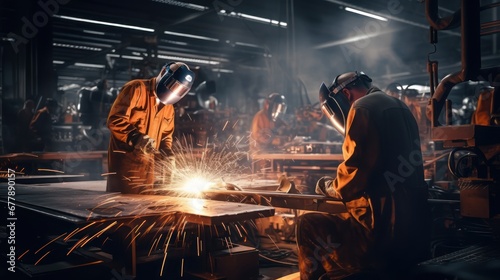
(83, 206)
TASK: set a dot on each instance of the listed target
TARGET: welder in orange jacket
(380, 181)
(269, 131)
(141, 122)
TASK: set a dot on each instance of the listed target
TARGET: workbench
(283, 162)
(91, 164)
(80, 219)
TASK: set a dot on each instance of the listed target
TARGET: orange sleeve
(360, 153)
(119, 122)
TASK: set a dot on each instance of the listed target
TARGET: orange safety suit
(265, 134)
(137, 112)
(381, 183)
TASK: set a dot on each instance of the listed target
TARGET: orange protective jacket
(381, 181)
(263, 132)
(382, 140)
(136, 112)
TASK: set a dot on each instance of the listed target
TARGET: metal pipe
(432, 68)
(470, 58)
(437, 101)
(471, 39)
(438, 23)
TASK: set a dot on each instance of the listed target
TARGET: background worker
(381, 183)
(269, 130)
(141, 122)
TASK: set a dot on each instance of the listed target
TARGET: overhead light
(132, 57)
(366, 14)
(222, 70)
(89, 65)
(174, 42)
(183, 5)
(82, 39)
(57, 62)
(253, 18)
(247, 45)
(136, 49)
(191, 36)
(106, 23)
(80, 47)
(71, 78)
(94, 32)
(126, 56)
(8, 39)
(186, 59)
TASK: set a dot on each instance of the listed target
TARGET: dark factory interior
(191, 139)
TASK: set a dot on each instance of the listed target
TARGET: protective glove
(145, 144)
(324, 186)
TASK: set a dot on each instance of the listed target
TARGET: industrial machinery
(474, 159)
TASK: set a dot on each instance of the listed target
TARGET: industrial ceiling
(247, 45)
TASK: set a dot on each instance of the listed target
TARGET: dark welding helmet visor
(175, 83)
(335, 106)
(277, 106)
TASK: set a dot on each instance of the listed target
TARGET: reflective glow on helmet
(277, 106)
(335, 107)
(334, 104)
(175, 83)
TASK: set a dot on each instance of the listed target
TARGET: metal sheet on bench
(83, 206)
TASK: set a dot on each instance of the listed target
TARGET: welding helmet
(335, 104)
(276, 106)
(174, 83)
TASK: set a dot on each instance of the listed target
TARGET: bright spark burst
(196, 185)
(194, 171)
(197, 170)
